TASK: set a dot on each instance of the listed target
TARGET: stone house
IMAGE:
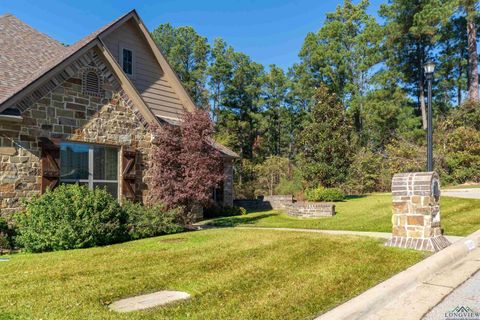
(84, 113)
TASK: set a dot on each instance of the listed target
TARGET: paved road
(466, 295)
(472, 193)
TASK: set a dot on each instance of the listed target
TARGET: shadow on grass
(237, 220)
(352, 197)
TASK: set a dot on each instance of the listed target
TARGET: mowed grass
(369, 213)
(230, 273)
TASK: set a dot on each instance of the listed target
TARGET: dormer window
(92, 82)
(127, 61)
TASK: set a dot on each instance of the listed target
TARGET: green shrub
(224, 211)
(292, 185)
(150, 221)
(324, 194)
(7, 235)
(69, 217)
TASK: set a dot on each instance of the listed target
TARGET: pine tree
(326, 144)
(187, 52)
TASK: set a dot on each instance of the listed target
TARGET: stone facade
(67, 114)
(416, 212)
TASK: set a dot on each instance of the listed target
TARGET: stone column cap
(416, 183)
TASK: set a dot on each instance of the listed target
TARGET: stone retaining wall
(311, 209)
(288, 203)
(252, 204)
(279, 201)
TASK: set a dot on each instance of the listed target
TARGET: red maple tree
(186, 166)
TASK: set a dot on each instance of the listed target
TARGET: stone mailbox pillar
(416, 212)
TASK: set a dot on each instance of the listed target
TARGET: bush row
(72, 216)
(324, 194)
(224, 211)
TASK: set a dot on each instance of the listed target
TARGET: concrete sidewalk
(467, 295)
(381, 235)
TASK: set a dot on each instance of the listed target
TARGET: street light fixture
(429, 69)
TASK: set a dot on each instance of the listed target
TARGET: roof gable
(166, 102)
(32, 64)
(148, 76)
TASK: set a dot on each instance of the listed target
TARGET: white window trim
(90, 181)
(132, 76)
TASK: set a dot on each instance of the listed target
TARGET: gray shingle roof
(26, 54)
(23, 51)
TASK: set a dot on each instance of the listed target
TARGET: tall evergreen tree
(326, 144)
(188, 53)
(240, 115)
(459, 16)
(219, 72)
(276, 135)
(342, 53)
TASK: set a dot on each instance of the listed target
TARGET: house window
(89, 165)
(127, 61)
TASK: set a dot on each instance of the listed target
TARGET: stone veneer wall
(279, 201)
(252, 204)
(311, 209)
(416, 212)
(288, 203)
(68, 114)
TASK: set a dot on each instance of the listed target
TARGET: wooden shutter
(50, 163)
(129, 161)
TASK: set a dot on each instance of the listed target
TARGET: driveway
(472, 193)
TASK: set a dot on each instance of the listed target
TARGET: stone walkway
(466, 295)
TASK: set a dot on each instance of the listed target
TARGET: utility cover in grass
(146, 301)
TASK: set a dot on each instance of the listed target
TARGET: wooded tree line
(352, 110)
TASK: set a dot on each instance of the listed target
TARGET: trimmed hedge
(144, 222)
(324, 194)
(224, 211)
(72, 217)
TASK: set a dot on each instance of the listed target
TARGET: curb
(374, 298)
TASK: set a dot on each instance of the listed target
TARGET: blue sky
(270, 31)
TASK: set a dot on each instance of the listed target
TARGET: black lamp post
(429, 68)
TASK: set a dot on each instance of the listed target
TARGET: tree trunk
(459, 84)
(421, 84)
(421, 94)
(472, 51)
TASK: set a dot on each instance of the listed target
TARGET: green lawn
(370, 213)
(230, 273)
